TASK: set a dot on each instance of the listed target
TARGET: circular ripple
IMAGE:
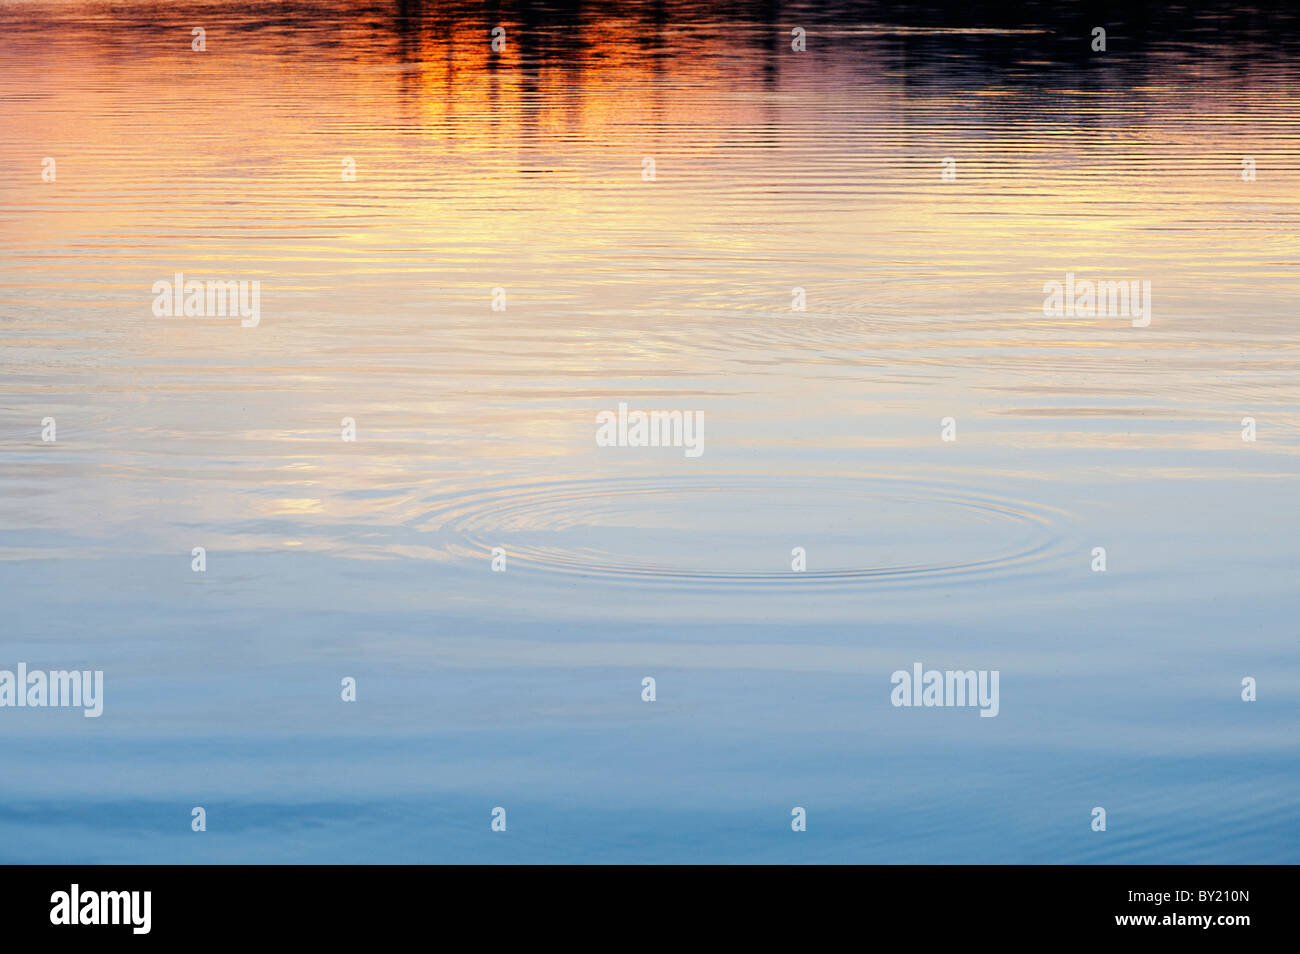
(734, 531)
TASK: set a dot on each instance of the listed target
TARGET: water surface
(774, 170)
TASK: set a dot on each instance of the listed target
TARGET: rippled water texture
(525, 170)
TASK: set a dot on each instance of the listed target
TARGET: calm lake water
(525, 169)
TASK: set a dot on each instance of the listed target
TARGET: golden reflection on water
(522, 169)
